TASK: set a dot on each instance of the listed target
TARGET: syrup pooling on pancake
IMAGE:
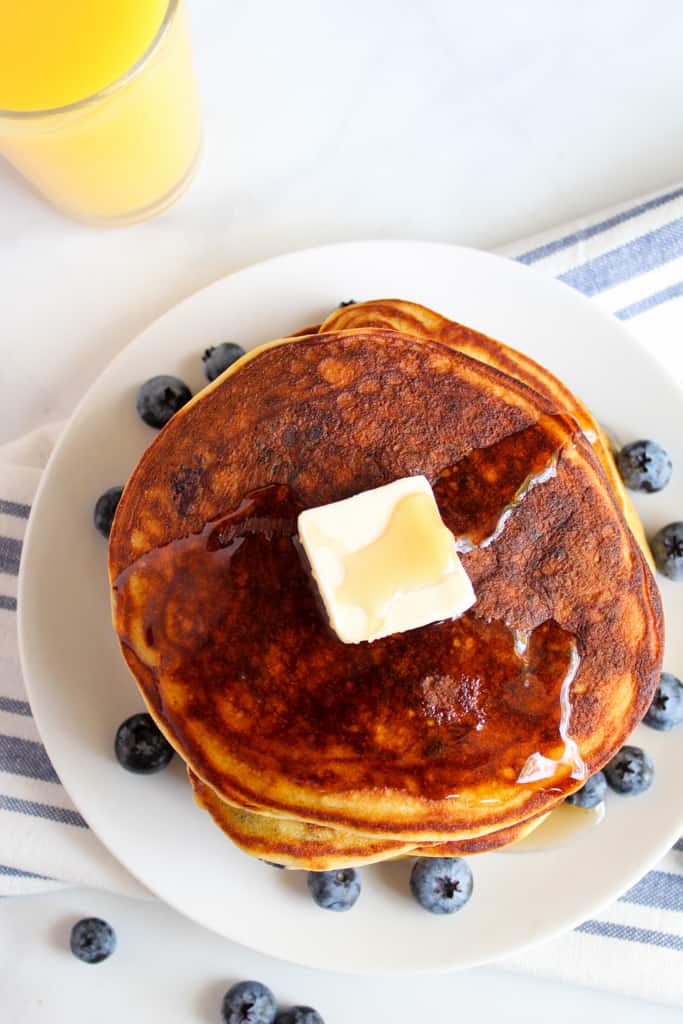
(457, 700)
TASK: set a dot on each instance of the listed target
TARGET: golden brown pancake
(440, 734)
(420, 322)
(300, 844)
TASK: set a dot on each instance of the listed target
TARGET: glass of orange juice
(98, 103)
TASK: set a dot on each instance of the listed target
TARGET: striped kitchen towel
(630, 261)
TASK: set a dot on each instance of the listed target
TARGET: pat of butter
(384, 561)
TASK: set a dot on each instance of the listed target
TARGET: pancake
(302, 845)
(444, 733)
(420, 322)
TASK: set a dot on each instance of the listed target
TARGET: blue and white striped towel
(630, 261)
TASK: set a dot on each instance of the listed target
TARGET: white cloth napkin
(629, 259)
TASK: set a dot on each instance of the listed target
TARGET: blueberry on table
(159, 398)
(644, 466)
(441, 885)
(666, 710)
(299, 1015)
(248, 1002)
(140, 747)
(105, 509)
(334, 890)
(591, 793)
(218, 358)
(92, 940)
(667, 549)
(630, 772)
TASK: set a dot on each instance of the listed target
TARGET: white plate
(80, 689)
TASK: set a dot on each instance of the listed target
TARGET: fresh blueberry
(591, 793)
(92, 940)
(334, 890)
(105, 508)
(347, 302)
(249, 1002)
(140, 747)
(218, 358)
(667, 548)
(666, 710)
(441, 885)
(644, 466)
(299, 1015)
(159, 398)
(630, 772)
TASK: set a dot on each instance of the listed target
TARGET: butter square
(384, 562)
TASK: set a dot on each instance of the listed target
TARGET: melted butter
(415, 551)
(562, 827)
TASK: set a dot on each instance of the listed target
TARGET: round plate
(80, 689)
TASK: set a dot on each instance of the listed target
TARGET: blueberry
(159, 398)
(347, 302)
(644, 466)
(630, 772)
(249, 1002)
(334, 890)
(591, 793)
(299, 1015)
(441, 885)
(92, 940)
(218, 358)
(140, 747)
(667, 548)
(666, 710)
(105, 508)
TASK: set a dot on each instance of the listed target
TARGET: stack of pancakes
(454, 738)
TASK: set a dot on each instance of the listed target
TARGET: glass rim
(106, 90)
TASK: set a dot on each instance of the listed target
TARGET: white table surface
(471, 123)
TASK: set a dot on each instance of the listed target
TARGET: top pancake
(423, 735)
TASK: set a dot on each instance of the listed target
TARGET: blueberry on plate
(644, 466)
(248, 1002)
(218, 358)
(441, 885)
(299, 1015)
(105, 509)
(591, 793)
(667, 549)
(666, 710)
(159, 398)
(630, 772)
(140, 747)
(92, 940)
(334, 890)
(347, 302)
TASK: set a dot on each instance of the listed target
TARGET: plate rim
(539, 933)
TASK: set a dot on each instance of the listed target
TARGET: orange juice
(98, 103)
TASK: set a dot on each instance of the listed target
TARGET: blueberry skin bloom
(666, 710)
(644, 466)
(334, 890)
(92, 940)
(140, 746)
(591, 793)
(159, 398)
(248, 1002)
(441, 885)
(630, 772)
(667, 549)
